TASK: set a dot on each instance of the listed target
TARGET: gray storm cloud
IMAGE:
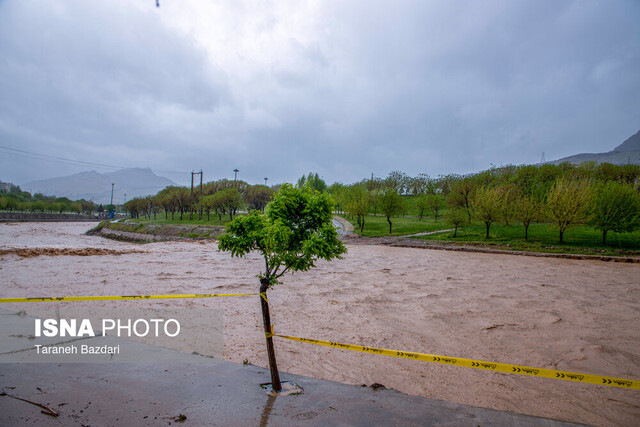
(342, 88)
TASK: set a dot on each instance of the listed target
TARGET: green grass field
(545, 238)
(160, 219)
(378, 226)
(542, 237)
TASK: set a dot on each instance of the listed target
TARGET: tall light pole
(111, 207)
(265, 181)
(235, 178)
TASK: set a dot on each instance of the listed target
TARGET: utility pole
(191, 198)
(191, 209)
(200, 216)
(111, 206)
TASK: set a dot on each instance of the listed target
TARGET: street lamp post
(235, 178)
(111, 206)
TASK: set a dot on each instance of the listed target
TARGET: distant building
(5, 187)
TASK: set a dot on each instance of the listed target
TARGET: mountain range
(96, 186)
(627, 152)
(137, 182)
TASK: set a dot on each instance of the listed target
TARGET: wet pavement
(197, 390)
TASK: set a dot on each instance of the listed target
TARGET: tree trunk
(526, 232)
(362, 224)
(266, 319)
(488, 224)
(604, 237)
(455, 231)
(561, 234)
(389, 221)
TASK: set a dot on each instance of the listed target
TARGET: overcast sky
(344, 88)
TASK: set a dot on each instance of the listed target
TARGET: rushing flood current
(580, 316)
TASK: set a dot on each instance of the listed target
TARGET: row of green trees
(603, 196)
(222, 197)
(528, 179)
(604, 205)
(23, 201)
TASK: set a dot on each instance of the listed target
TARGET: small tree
(456, 217)
(257, 196)
(614, 207)
(508, 196)
(422, 203)
(436, 203)
(294, 232)
(487, 206)
(528, 209)
(215, 202)
(463, 192)
(391, 205)
(358, 202)
(567, 203)
(228, 200)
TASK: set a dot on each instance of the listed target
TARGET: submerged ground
(580, 316)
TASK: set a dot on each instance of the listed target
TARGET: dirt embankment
(403, 242)
(146, 233)
(33, 252)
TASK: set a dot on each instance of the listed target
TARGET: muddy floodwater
(579, 316)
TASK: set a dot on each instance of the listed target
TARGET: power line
(63, 160)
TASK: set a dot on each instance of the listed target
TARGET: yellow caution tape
(269, 334)
(264, 297)
(117, 297)
(480, 364)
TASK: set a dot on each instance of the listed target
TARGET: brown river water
(572, 315)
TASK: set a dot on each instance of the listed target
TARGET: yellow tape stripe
(480, 364)
(117, 297)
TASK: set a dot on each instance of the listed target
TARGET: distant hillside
(631, 144)
(627, 152)
(97, 187)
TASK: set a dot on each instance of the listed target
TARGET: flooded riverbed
(580, 316)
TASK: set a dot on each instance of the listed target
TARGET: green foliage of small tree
(527, 210)
(508, 196)
(614, 207)
(358, 202)
(338, 191)
(436, 203)
(456, 217)
(487, 206)
(257, 196)
(295, 231)
(313, 181)
(567, 204)
(422, 204)
(391, 204)
(462, 191)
